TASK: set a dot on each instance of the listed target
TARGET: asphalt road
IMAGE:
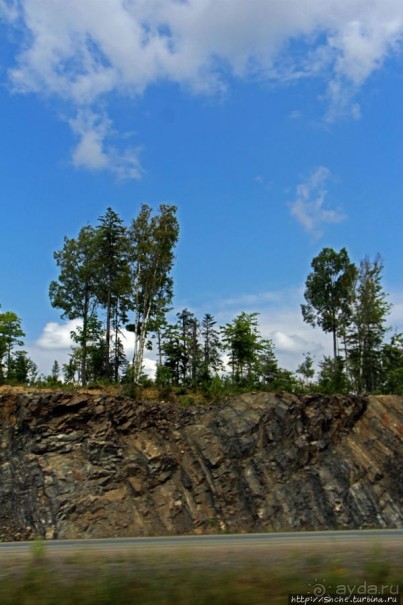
(238, 542)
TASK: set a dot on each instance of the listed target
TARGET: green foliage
(75, 291)
(22, 370)
(329, 292)
(392, 361)
(211, 362)
(352, 304)
(367, 330)
(185, 578)
(152, 241)
(241, 338)
(214, 389)
(306, 370)
(285, 381)
(113, 284)
(38, 550)
(332, 376)
(111, 272)
(267, 372)
(11, 335)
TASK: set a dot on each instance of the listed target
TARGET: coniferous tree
(113, 287)
(392, 364)
(242, 339)
(55, 372)
(187, 327)
(22, 369)
(11, 335)
(211, 348)
(366, 333)
(332, 376)
(172, 368)
(267, 370)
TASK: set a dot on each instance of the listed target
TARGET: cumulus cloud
(55, 343)
(291, 336)
(56, 336)
(309, 206)
(83, 51)
(280, 320)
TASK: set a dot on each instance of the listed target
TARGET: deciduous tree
(75, 290)
(153, 240)
(329, 293)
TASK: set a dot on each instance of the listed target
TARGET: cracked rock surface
(76, 466)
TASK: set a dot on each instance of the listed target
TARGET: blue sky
(275, 126)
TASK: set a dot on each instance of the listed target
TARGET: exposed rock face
(96, 466)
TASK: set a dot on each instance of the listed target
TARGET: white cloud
(94, 150)
(82, 51)
(309, 206)
(85, 49)
(55, 343)
(280, 319)
(45, 358)
(56, 336)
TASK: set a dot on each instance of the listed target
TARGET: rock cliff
(96, 466)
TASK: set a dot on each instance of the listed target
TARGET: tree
(118, 360)
(71, 369)
(367, 329)
(242, 339)
(152, 239)
(211, 348)
(306, 369)
(22, 369)
(329, 293)
(268, 371)
(188, 327)
(181, 349)
(75, 291)
(170, 372)
(55, 372)
(332, 376)
(11, 335)
(392, 363)
(113, 289)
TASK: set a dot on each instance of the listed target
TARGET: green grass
(80, 580)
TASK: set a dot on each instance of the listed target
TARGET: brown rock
(97, 466)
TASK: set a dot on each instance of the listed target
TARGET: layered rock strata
(74, 466)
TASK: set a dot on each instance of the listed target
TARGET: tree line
(115, 279)
(349, 302)
(108, 275)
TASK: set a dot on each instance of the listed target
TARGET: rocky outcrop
(96, 466)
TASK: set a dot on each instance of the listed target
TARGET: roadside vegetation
(116, 279)
(181, 580)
